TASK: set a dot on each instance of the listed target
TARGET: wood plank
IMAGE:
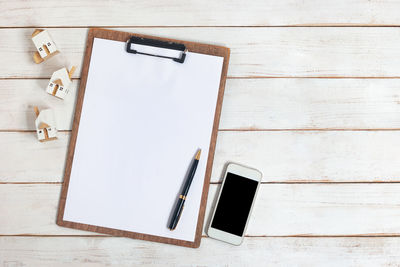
(266, 52)
(309, 156)
(280, 210)
(18, 97)
(24, 158)
(311, 104)
(248, 104)
(206, 13)
(94, 251)
(287, 156)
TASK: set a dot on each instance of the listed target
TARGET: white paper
(143, 118)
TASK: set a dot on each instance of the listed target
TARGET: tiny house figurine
(60, 82)
(45, 46)
(45, 125)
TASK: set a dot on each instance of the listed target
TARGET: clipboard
(139, 46)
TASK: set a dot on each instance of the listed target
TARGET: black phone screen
(234, 204)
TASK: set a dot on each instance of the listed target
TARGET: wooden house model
(45, 46)
(60, 82)
(45, 125)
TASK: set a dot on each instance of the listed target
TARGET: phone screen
(234, 204)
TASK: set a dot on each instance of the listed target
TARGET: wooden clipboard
(123, 37)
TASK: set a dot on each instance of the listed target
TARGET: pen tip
(198, 154)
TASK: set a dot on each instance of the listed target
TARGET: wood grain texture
(123, 37)
(249, 104)
(95, 251)
(287, 156)
(23, 157)
(280, 210)
(255, 52)
(205, 13)
(336, 156)
(254, 104)
(18, 97)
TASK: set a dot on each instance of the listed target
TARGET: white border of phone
(247, 173)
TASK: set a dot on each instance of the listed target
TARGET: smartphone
(234, 204)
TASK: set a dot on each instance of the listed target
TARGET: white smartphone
(234, 204)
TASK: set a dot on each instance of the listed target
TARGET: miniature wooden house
(45, 125)
(45, 46)
(60, 82)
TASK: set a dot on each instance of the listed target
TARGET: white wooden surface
(281, 210)
(255, 51)
(315, 108)
(194, 13)
(282, 156)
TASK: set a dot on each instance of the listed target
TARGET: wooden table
(312, 100)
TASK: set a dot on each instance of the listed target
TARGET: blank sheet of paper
(143, 119)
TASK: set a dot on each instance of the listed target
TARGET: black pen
(182, 197)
